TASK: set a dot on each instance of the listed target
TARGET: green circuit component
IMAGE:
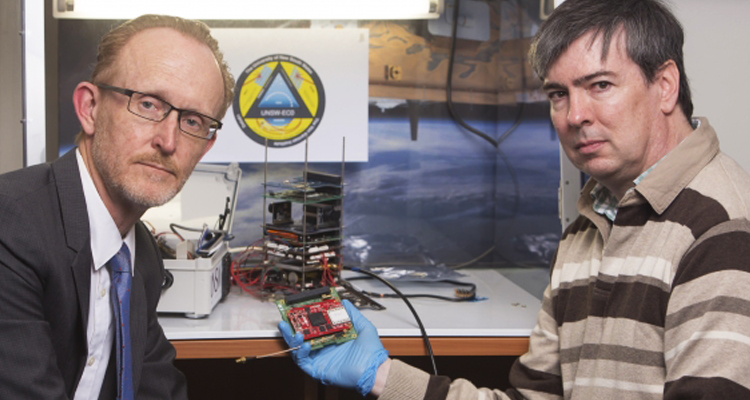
(319, 315)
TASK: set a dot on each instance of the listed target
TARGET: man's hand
(352, 364)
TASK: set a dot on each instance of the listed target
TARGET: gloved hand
(352, 364)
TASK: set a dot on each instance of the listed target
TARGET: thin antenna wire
(304, 216)
(243, 359)
(341, 218)
(264, 228)
(265, 186)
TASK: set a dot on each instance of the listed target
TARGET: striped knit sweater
(653, 306)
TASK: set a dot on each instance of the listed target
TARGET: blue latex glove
(352, 364)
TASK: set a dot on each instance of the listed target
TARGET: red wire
(241, 278)
(253, 281)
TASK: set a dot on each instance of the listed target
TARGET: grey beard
(122, 187)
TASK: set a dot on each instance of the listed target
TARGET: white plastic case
(194, 286)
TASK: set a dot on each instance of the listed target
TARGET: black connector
(307, 295)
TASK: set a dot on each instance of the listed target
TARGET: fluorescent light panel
(250, 9)
(35, 126)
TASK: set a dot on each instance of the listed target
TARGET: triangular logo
(278, 99)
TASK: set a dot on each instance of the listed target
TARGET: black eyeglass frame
(128, 92)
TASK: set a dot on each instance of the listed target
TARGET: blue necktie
(120, 294)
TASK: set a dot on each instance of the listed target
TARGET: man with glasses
(80, 275)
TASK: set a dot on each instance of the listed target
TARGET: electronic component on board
(319, 315)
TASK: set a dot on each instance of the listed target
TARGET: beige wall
(717, 56)
(11, 97)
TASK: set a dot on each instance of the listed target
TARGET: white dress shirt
(105, 243)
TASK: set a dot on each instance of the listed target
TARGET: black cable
(425, 338)
(431, 296)
(468, 263)
(222, 233)
(172, 226)
(511, 170)
(461, 294)
(449, 90)
(460, 121)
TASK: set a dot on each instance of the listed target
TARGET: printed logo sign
(279, 98)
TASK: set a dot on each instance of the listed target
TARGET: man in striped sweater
(649, 295)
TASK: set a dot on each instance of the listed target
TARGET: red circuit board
(319, 319)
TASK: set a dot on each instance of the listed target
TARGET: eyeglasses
(152, 108)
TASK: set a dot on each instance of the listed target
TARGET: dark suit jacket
(45, 278)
